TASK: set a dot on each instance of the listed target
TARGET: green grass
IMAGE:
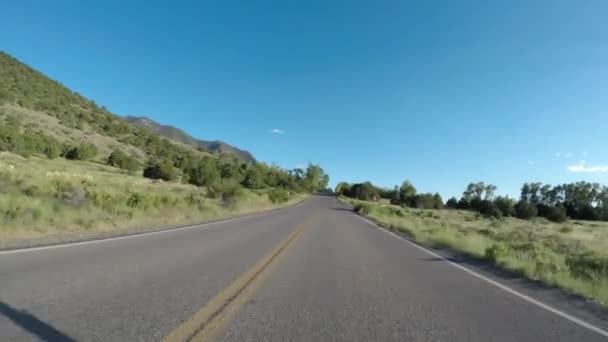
(41, 198)
(572, 255)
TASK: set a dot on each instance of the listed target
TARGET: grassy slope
(571, 255)
(41, 198)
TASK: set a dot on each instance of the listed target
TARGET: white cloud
(558, 154)
(277, 131)
(530, 162)
(581, 167)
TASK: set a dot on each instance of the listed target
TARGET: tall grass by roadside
(42, 197)
(572, 255)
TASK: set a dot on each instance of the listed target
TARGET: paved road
(340, 279)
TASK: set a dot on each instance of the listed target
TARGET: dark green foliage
(452, 203)
(364, 191)
(342, 189)
(425, 201)
(119, 159)
(407, 191)
(463, 204)
(581, 200)
(556, 214)
(525, 210)
(254, 178)
(505, 205)
(204, 173)
(278, 195)
(485, 207)
(162, 170)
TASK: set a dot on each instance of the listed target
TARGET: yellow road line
(206, 323)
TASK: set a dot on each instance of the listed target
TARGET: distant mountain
(178, 135)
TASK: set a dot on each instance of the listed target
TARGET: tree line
(405, 195)
(579, 200)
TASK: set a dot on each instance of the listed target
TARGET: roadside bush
(227, 191)
(278, 195)
(363, 209)
(525, 210)
(164, 171)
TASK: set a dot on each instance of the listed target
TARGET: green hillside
(45, 106)
(68, 166)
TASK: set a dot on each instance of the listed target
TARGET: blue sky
(438, 92)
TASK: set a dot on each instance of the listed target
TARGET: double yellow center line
(208, 321)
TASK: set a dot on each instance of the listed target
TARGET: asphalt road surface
(325, 275)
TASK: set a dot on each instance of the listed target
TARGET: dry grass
(41, 197)
(572, 255)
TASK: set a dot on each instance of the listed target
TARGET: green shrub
(119, 159)
(52, 151)
(278, 195)
(556, 214)
(525, 210)
(163, 170)
(227, 191)
(363, 208)
(80, 152)
(505, 205)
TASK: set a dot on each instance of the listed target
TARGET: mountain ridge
(179, 135)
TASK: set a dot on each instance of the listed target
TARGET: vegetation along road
(311, 272)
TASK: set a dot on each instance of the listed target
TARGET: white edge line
(163, 231)
(495, 283)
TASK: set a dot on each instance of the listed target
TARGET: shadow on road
(33, 325)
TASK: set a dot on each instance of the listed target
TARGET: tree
(437, 201)
(490, 189)
(452, 203)
(365, 191)
(316, 179)
(254, 178)
(342, 189)
(204, 173)
(407, 191)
